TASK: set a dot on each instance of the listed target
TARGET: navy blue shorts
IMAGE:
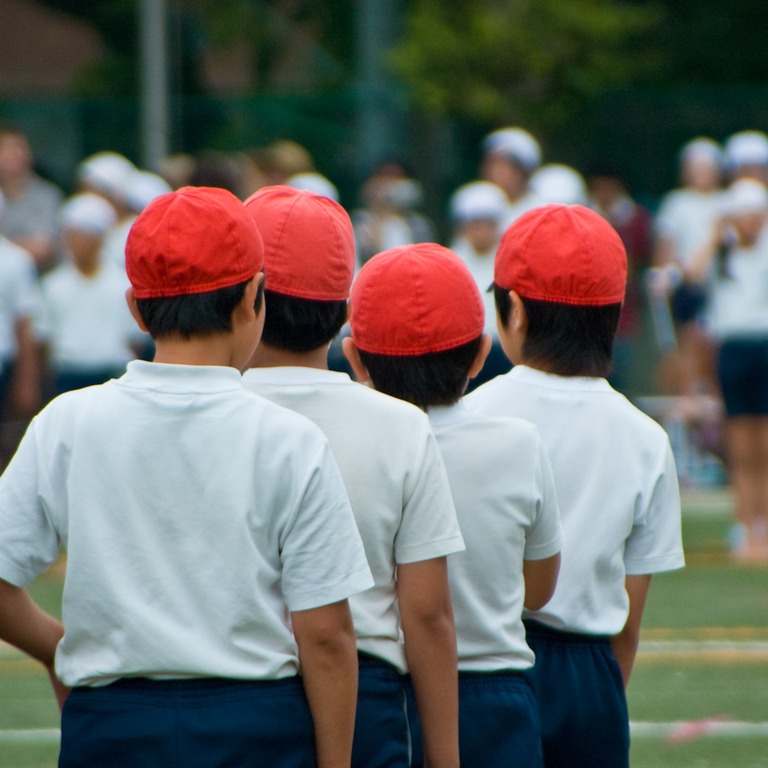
(139, 723)
(742, 369)
(577, 683)
(382, 739)
(499, 723)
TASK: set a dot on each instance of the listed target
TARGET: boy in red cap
(417, 334)
(392, 468)
(560, 275)
(210, 543)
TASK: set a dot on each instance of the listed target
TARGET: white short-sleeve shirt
(616, 487)
(505, 498)
(195, 515)
(395, 478)
(86, 320)
(686, 218)
(18, 293)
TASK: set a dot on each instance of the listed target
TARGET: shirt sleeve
(29, 543)
(322, 553)
(656, 543)
(429, 527)
(544, 538)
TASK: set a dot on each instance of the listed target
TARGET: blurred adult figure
(609, 196)
(735, 261)
(510, 156)
(31, 203)
(683, 225)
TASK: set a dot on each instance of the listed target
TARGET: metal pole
(153, 34)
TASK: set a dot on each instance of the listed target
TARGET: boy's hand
(60, 690)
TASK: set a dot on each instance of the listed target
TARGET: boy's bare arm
(626, 642)
(329, 667)
(426, 613)
(540, 577)
(30, 629)
(26, 375)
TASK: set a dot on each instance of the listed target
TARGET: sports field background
(698, 696)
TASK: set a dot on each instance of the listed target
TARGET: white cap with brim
(106, 172)
(744, 197)
(746, 148)
(515, 144)
(142, 188)
(89, 213)
(314, 182)
(702, 150)
(557, 183)
(479, 200)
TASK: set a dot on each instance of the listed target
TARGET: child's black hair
(434, 378)
(571, 340)
(301, 325)
(195, 314)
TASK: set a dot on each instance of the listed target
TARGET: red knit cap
(413, 300)
(193, 240)
(562, 253)
(309, 244)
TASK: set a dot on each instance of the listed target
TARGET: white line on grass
(699, 728)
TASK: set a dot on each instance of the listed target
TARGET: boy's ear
(518, 318)
(130, 299)
(249, 296)
(353, 358)
(482, 353)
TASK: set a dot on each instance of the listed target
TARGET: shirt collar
(294, 374)
(534, 376)
(163, 377)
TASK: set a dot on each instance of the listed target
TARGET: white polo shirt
(686, 218)
(616, 486)
(85, 319)
(395, 479)
(18, 293)
(195, 514)
(504, 493)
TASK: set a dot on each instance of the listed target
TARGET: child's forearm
(329, 669)
(432, 664)
(26, 626)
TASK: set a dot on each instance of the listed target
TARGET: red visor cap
(413, 300)
(193, 240)
(567, 254)
(309, 244)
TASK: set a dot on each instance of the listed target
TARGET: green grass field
(698, 693)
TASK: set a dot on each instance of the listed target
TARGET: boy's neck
(545, 367)
(266, 356)
(215, 350)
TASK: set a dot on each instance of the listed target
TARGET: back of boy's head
(309, 261)
(569, 266)
(417, 322)
(188, 256)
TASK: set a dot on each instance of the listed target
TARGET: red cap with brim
(413, 300)
(566, 254)
(193, 240)
(309, 243)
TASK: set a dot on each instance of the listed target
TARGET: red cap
(193, 240)
(562, 253)
(309, 244)
(415, 299)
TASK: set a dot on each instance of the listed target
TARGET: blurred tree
(527, 61)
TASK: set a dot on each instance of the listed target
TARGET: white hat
(702, 150)
(478, 200)
(516, 144)
(746, 148)
(314, 182)
(557, 183)
(88, 212)
(743, 197)
(107, 172)
(142, 188)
